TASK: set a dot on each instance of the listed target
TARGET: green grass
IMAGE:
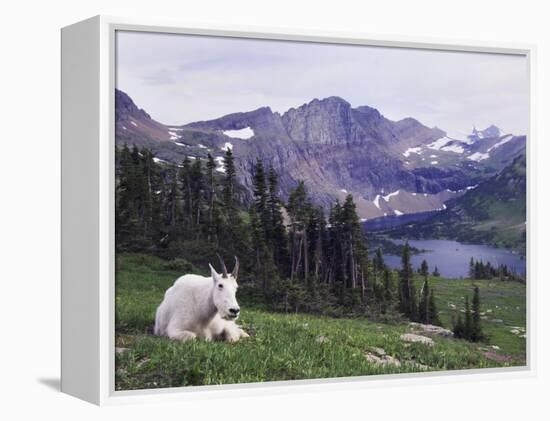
(503, 309)
(286, 347)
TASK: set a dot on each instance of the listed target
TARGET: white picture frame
(88, 69)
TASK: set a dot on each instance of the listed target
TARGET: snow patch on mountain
(219, 164)
(408, 152)
(226, 146)
(501, 142)
(397, 212)
(376, 201)
(245, 133)
(478, 156)
(434, 162)
(439, 143)
(453, 148)
(388, 196)
(173, 135)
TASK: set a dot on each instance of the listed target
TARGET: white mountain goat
(197, 306)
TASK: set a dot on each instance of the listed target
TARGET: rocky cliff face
(335, 148)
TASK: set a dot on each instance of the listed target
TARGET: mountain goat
(197, 306)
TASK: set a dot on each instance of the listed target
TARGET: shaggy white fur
(197, 306)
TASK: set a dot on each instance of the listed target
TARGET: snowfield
(173, 135)
(245, 133)
(478, 156)
(219, 164)
(388, 196)
(408, 152)
(439, 143)
(453, 148)
(376, 201)
(226, 146)
(504, 140)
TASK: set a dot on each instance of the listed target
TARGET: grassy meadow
(296, 346)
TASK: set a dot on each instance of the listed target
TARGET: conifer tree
(388, 290)
(407, 296)
(472, 269)
(433, 314)
(278, 230)
(378, 261)
(354, 243)
(436, 272)
(458, 328)
(211, 195)
(261, 198)
(298, 211)
(185, 176)
(468, 322)
(229, 181)
(477, 334)
(423, 307)
(424, 269)
(197, 196)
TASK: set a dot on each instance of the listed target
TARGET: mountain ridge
(335, 148)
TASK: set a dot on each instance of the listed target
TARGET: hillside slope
(494, 212)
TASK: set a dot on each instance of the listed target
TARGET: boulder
(412, 337)
(432, 329)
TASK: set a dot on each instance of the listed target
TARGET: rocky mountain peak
(490, 132)
(125, 107)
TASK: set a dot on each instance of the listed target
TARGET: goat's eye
(220, 286)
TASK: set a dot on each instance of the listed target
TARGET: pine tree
(477, 334)
(298, 211)
(229, 182)
(278, 230)
(424, 269)
(197, 197)
(211, 195)
(472, 269)
(432, 310)
(261, 199)
(468, 323)
(407, 304)
(436, 272)
(235, 236)
(378, 261)
(423, 307)
(187, 192)
(458, 328)
(388, 290)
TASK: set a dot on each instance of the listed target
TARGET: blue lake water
(453, 258)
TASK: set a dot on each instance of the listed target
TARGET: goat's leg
(180, 334)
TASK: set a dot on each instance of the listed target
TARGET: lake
(453, 258)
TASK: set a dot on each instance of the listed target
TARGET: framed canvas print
(248, 210)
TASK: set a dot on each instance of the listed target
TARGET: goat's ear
(215, 275)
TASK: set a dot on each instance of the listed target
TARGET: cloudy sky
(179, 79)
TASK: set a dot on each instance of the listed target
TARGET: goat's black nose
(234, 311)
